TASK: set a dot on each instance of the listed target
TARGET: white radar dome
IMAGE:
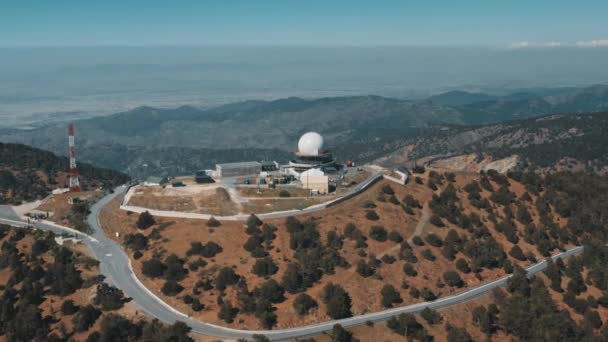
(310, 144)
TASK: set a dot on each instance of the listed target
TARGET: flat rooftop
(239, 165)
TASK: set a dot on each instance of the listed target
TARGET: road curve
(115, 265)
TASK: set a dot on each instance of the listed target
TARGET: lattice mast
(74, 182)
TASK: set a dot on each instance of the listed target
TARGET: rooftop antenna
(74, 182)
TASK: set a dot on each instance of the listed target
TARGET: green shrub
(68, 307)
(395, 236)
(390, 296)
(462, 265)
(378, 233)
(434, 240)
(145, 220)
(213, 222)
(431, 316)
(409, 270)
(417, 240)
(372, 215)
(452, 278)
(197, 305)
(171, 288)
(303, 303)
(437, 221)
(427, 254)
(388, 190)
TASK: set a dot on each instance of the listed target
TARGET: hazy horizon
(58, 83)
(67, 59)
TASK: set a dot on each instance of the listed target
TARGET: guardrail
(365, 186)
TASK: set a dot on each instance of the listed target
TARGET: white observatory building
(312, 163)
(311, 154)
(310, 144)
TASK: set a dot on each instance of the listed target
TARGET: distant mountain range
(149, 140)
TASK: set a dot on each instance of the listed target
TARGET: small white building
(315, 180)
(311, 173)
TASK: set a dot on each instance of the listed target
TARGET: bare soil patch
(264, 205)
(276, 192)
(196, 198)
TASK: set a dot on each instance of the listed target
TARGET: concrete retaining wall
(367, 185)
(243, 217)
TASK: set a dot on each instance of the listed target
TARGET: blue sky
(500, 23)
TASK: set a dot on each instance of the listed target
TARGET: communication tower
(74, 182)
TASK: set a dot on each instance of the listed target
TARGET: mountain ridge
(359, 127)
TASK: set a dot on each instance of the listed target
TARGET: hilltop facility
(311, 155)
(312, 167)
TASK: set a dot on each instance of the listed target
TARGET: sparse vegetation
(303, 304)
(378, 233)
(407, 325)
(213, 222)
(208, 250)
(390, 296)
(264, 267)
(145, 220)
(394, 236)
(337, 301)
(452, 278)
(365, 269)
(109, 297)
(431, 316)
(339, 334)
(372, 215)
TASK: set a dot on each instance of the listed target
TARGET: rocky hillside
(551, 143)
(27, 174)
(361, 128)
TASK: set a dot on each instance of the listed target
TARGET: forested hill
(28, 173)
(573, 142)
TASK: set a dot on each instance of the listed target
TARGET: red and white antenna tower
(74, 183)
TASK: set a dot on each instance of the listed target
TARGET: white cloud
(520, 45)
(593, 43)
(589, 43)
(527, 44)
(552, 44)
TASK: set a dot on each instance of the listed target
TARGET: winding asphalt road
(116, 266)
